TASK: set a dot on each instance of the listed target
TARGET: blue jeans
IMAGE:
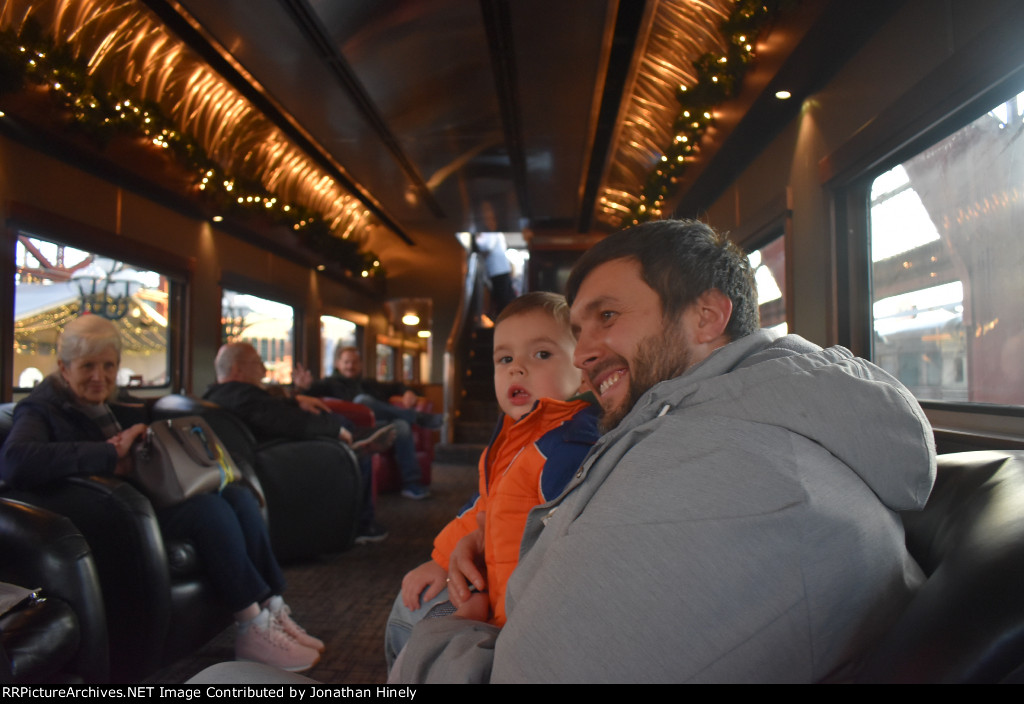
(232, 541)
(369, 511)
(405, 445)
(400, 623)
(387, 411)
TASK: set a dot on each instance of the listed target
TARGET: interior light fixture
(411, 319)
(783, 94)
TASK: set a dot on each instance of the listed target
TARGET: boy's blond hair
(553, 304)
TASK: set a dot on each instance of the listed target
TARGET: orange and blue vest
(528, 462)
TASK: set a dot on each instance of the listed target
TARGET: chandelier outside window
(105, 289)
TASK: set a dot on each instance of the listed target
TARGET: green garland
(719, 78)
(32, 58)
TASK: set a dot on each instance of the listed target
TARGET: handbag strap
(227, 472)
(215, 451)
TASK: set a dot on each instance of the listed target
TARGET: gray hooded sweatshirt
(737, 526)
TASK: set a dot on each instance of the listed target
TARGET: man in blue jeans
(347, 383)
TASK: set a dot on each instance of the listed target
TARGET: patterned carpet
(344, 599)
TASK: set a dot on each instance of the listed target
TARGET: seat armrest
(966, 622)
(359, 414)
(43, 549)
(123, 534)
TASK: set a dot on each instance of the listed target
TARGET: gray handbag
(181, 457)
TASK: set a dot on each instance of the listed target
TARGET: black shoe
(374, 533)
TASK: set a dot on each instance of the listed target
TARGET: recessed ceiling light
(783, 94)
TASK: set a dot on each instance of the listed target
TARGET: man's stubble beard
(657, 359)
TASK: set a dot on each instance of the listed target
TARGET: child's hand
(429, 576)
(464, 565)
(476, 608)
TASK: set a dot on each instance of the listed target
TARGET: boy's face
(532, 360)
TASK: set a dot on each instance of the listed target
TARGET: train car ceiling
(430, 117)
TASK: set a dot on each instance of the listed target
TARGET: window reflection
(947, 292)
(385, 363)
(769, 265)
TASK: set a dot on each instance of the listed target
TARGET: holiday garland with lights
(719, 78)
(30, 58)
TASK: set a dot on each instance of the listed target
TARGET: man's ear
(714, 310)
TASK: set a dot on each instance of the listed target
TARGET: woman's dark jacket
(52, 439)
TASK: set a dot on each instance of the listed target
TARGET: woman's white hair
(86, 336)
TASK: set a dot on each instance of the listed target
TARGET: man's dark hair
(680, 260)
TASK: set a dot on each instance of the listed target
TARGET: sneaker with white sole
(371, 533)
(264, 640)
(283, 613)
(416, 492)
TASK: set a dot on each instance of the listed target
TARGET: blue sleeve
(564, 449)
(469, 504)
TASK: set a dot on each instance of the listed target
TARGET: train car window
(55, 283)
(769, 265)
(385, 362)
(409, 368)
(267, 325)
(946, 251)
(335, 333)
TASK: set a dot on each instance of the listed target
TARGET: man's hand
(302, 378)
(429, 576)
(311, 404)
(122, 442)
(345, 436)
(476, 608)
(464, 567)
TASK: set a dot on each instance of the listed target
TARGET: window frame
(33, 221)
(987, 70)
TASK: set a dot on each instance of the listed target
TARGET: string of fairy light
(37, 334)
(719, 76)
(30, 59)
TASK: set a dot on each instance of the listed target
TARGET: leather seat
(63, 637)
(155, 613)
(313, 488)
(966, 623)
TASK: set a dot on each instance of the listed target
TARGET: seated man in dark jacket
(348, 383)
(239, 389)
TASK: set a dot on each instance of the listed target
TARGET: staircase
(478, 409)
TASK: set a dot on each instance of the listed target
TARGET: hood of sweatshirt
(855, 410)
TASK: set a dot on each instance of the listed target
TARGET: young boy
(538, 445)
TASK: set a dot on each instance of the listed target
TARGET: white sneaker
(282, 612)
(264, 640)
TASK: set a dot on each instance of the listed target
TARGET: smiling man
(737, 520)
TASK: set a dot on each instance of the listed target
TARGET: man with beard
(737, 520)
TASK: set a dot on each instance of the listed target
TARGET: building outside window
(267, 325)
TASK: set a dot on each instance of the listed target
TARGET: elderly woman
(65, 427)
